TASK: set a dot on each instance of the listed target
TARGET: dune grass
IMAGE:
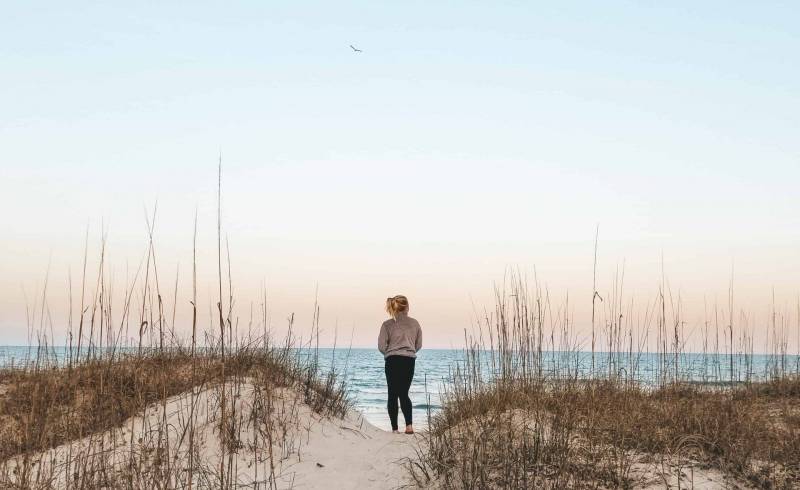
(42, 408)
(516, 416)
(124, 414)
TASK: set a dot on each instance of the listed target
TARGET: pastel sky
(466, 138)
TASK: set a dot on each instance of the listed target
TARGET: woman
(399, 341)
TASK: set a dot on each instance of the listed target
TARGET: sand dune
(293, 448)
(307, 451)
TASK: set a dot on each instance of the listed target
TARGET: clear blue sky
(466, 136)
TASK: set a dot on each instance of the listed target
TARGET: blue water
(361, 368)
(366, 382)
(363, 371)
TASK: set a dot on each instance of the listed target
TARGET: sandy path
(353, 454)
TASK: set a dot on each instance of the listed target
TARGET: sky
(465, 139)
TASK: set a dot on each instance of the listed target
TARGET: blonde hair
(396, 304)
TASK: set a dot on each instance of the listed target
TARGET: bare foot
(409, 429)
(395, 431)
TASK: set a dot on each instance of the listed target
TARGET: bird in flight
(355, 49)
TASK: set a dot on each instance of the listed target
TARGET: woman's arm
(383, 339)
(418, 343)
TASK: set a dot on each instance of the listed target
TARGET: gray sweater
(400, 336)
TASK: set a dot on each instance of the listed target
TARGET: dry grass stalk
(520, 414)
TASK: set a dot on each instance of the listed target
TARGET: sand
(309, 451)
(352, 454)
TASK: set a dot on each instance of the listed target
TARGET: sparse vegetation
(43, 408)
(158, 412)
(528, 410)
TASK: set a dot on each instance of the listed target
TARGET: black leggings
(399, 373)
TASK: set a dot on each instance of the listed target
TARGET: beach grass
(520, 411)
(154, 411)
(48, 404)
(516, 416)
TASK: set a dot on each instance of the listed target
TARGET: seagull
(355, 49)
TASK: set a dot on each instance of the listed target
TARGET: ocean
(363, 371)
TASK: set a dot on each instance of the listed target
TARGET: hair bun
(396, 304)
